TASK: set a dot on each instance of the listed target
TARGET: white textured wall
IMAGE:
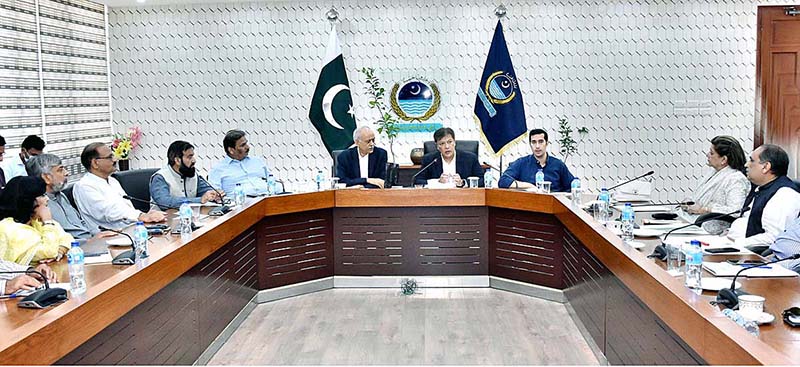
(652, 81)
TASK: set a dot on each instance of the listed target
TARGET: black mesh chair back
(136, 183)
(465, 145)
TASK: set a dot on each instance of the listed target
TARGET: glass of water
(546, 186)
(473, 181)
(673, 259)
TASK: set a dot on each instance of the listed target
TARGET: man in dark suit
(365, 164)
(451, 164)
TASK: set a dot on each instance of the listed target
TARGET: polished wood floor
(382, 327)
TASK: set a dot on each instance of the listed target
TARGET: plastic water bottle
(627, 223)
(694, 266)
(272, 186)
(77, 280)
(750, 326)
(605, 199)
(539, 178)
(575, 190)
(238, 194)
(318, 179)
(488, 179)
(186, 215)
(140, 241)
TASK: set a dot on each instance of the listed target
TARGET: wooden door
(778, 81)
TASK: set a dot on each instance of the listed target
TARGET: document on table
(724, 269)
(708, 242)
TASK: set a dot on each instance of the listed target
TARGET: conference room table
(168, 308)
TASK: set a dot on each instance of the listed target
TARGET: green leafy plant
(387, 124)
(568, 145)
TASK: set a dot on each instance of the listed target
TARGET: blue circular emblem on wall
(415, 99)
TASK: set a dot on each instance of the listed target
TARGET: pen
(9, 296)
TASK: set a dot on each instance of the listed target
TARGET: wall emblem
(415, 99)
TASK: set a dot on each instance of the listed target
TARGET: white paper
(724, 269)
(647, 208)
(119, 241)
(105, 258)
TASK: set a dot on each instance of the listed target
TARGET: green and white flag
(331, 109)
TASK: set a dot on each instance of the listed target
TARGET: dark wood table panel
(177, 324)
(411, 241)
(526, 247)
(294, 248)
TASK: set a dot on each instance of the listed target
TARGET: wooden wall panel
(526, 247)
(294, 248)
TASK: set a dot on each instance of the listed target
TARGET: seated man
(99, 196)
(239, 167)
(10, 283)
(773, 201)
(447, 166)
(364, 164)
(177, 181)
(31, 146)
(787, 244)
(51, 170)
(522, 173)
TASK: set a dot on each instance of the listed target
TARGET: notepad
(724, 269)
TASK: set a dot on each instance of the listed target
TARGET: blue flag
(499, 109)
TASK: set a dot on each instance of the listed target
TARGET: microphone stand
(660, 252)
(126, 257)
(729, 297)
(222, 210)
(41, 298)
(414, 177)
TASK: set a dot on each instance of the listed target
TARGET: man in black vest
(774, 200)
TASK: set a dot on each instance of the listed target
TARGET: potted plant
(568, 145)
(386, 123)
(123, 145)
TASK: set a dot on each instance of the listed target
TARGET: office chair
(136, 183)
(335, 161)
(464, 145)
(68, 193)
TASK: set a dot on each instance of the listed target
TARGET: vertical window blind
(54, 76)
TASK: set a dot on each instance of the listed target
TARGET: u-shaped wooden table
(170, 308)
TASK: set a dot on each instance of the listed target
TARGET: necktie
(2, 178)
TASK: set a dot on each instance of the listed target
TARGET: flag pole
(500, 11)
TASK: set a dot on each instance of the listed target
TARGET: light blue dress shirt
(788, 244)
(249, 172)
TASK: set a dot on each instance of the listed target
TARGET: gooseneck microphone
(41, 298)
(148, 202)
(660, 252)
(222, 210)
(729, 297)
(126, 257)
(414, 177)
(631, 180)
(687, 203)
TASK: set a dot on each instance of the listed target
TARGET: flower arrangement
(124, 144)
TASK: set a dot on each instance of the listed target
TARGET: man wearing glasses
(451, 165)
(99, 196)
(773, 201)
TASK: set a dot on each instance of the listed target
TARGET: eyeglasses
(109, 157)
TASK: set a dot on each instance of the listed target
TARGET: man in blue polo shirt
(522, 173)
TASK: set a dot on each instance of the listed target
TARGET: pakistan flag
(331, 109)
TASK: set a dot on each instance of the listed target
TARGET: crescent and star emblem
(327, 101)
